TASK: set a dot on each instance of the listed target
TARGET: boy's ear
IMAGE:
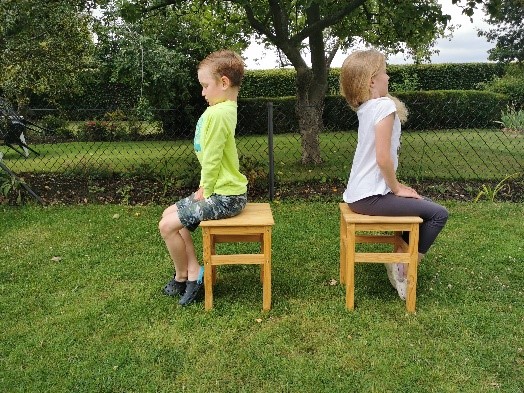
(225, 82)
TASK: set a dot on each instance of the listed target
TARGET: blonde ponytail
(402, 111)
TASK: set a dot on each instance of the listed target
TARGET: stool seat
(351, 227)
(253, 224)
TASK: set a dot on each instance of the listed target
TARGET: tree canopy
(507, 17)
(155, 55)
(43, 45)
(319, 28)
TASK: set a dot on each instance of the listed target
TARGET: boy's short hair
(225, 63)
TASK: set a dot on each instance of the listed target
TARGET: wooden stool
(254, 224)
(351, 222)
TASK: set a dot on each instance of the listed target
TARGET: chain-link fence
(97, 143)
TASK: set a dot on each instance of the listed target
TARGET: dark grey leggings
(434, 216)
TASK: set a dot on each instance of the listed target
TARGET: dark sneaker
(192, 289)
(175, 288)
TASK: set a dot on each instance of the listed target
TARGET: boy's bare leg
(170, 227)
(180, 245)
(193, 267)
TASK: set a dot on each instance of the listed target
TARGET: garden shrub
(56, 127)
(512, 120)
(99, 131)
(510, 84)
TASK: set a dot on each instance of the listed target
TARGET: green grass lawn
(82, 310)
(452, 154)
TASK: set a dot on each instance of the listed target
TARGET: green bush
(511, 84)
(100, 131)
(56, 127)
(513, 120)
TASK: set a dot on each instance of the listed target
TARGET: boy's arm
(212, 152)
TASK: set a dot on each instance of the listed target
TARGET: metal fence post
(270, 151)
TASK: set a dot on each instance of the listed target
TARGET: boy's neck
(231, 94)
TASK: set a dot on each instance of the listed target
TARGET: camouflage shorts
(191, 212)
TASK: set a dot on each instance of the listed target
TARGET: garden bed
(60, 189)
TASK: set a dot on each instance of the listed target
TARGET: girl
(373, 188)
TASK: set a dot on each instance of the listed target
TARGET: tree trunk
(310, 123)
(309, 110)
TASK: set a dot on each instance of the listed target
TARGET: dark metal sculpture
(12, 127)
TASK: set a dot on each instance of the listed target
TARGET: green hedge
(408, 77)
(445, 109)
(269, 83)
(466, 76)
(428, 110)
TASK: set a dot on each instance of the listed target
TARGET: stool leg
(266, 285)
(213, 268)
(411, 297)
(214, 274)
(350, 267)
(261, 243)
(343, 240)
(208, 269)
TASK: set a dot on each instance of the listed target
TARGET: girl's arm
(383, 132)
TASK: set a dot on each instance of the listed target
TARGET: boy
(222, 191)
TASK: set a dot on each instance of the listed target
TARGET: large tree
(155, 55)
(43, 44)
(507, 16)
(318, 29)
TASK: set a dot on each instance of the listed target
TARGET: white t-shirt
(365, 178)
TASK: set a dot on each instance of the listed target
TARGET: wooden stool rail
(351, 223)
(253, 224)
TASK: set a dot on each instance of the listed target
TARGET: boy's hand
(199, 194)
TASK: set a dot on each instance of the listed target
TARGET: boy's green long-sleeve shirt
(216, 150)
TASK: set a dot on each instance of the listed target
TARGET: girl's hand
(407, 192)
(199, 194)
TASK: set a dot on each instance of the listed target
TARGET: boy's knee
(162, 227)
(165, 227)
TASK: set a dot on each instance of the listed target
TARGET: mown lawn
(81, 309)
(443, 154)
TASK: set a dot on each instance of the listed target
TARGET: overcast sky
(464, 47)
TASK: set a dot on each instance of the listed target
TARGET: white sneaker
(402, 288)
(397, 279)
(391, 275)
